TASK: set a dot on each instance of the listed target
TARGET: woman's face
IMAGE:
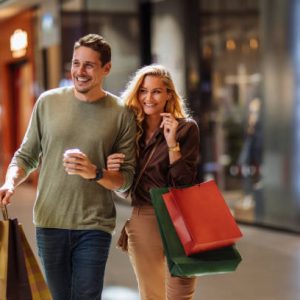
(153, 95)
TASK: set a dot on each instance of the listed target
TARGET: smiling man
(72, 131)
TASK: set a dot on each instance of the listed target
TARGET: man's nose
(81, 68)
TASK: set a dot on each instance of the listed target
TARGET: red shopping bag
(201, 217)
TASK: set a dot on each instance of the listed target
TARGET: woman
(162, 124)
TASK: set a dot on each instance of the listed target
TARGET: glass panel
(231, 84)
(112, 6)
(122, 32)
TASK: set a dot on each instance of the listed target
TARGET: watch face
(99, 174)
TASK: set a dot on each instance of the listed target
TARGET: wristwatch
(99, 175)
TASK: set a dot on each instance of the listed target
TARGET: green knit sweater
(60, 121)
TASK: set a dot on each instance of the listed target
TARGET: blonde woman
(163, 123)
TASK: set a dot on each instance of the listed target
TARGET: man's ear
(107, 68)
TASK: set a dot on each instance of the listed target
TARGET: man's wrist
(9, 185)
(98, 175)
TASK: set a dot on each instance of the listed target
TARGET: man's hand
(15, 175)
(5, 194)
(77, 163)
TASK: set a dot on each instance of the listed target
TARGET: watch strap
(99, 175)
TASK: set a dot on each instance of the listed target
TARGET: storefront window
(231, 93)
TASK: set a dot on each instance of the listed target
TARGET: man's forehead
(84, 54)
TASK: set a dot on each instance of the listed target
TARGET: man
(72, 130)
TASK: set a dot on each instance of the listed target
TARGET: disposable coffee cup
(67, 153)
(72, 151)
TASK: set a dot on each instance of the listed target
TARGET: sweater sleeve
(184, 170)
(28, 154)
(126, 145)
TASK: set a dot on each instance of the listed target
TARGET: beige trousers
(146, 254)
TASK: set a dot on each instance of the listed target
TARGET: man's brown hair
(98, 44)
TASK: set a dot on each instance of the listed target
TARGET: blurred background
(236, 62)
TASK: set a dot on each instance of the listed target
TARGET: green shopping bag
(223, 260)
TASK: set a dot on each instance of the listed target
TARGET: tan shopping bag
(20, 275)
(39, 288)
(4, 232)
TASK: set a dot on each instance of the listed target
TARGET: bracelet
(175, 148)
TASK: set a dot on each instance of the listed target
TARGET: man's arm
(25, 159)
(77, 162)
(126, 144)
(111, 180)
(14, 176)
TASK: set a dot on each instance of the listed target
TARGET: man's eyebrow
(85, 62)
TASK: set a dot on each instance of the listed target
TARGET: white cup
(67, 154)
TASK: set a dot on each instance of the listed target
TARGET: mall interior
(237, 63)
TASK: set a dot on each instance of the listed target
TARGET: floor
(270, 269)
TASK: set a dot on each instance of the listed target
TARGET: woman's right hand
(114, 161)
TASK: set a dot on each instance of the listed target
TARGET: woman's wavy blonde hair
(175, 104)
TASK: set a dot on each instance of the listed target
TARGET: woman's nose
(148, 96)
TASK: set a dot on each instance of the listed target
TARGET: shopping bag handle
(4, 212)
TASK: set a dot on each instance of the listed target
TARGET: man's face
(87, 73)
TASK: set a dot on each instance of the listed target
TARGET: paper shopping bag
(20, 275)
(17, 287)
(4, 232)
(38, 286)
(218, 261)
(201, 217)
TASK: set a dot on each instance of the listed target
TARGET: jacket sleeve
(184, 170)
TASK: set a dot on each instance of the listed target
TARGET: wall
(24, 21)
(168, 40)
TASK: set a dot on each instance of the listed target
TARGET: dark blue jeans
(74, 261)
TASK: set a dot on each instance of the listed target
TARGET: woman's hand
(170, 124)
(114, 161)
